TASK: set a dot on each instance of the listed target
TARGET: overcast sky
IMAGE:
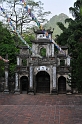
(57, 6)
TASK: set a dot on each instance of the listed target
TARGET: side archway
(24, 84)
(61, 84)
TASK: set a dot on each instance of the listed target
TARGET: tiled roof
(45, 40)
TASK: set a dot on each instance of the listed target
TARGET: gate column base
(6, 91)
(69, 92)
(31, 92)
(54, 92)
(17, 91)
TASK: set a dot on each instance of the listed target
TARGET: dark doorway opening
(42, 82)
(24, 84)
(62, 84)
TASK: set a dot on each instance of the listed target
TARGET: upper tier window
(41, 36)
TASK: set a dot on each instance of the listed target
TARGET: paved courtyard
(40, 109)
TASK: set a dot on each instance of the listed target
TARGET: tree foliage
(20, 18)
(7, 46)
(73, 37)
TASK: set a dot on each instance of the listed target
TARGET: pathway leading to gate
(40, 109)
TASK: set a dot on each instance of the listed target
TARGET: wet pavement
(40, 109)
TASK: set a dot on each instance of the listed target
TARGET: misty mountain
(52, 23)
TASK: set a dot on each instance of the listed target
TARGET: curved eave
(41, 41)
(42, 31)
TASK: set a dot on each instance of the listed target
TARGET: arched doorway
(62, 84)
(42, 82)
(24, 84)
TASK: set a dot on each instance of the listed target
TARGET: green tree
(7, 46)
(72, 36)
(21, 18)
(79, 67)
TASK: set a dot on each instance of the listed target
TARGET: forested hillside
(53, 23)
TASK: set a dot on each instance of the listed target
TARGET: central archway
(42, 82)
(24, 84)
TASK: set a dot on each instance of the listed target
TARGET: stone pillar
(31, 79)
(33, 48)
(18, 61)
(52, 50)
(6, 89)
(68, 61)
(54, 87)
(58, 61)
(48, 51)
(54, 77)
(16, 83)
